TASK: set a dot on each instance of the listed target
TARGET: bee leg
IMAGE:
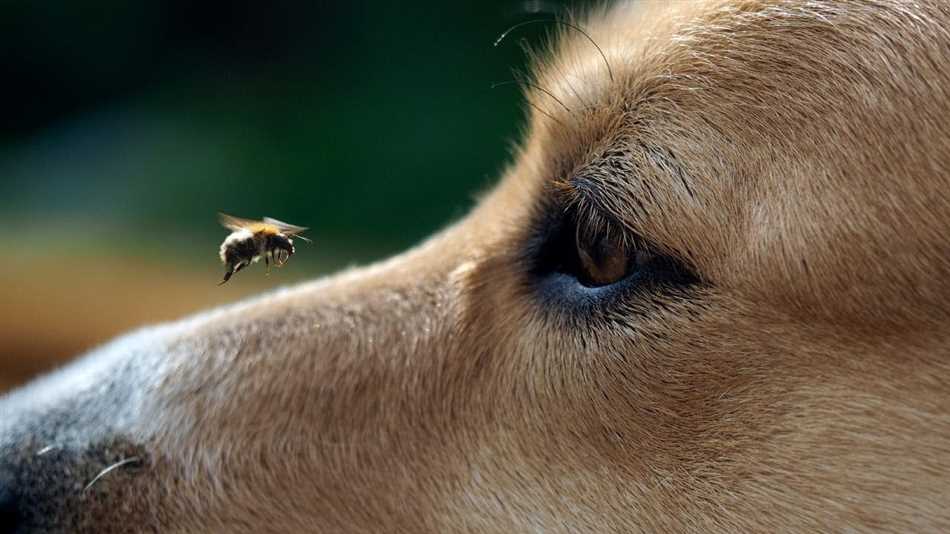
(233, 268)
(267, 264)
(227, 275)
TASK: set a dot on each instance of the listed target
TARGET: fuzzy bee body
(250, 240)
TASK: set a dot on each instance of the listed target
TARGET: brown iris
(604, 256)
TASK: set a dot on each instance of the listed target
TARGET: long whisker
(535, 86)
(545, 113)
(111, 468)
(562, 23)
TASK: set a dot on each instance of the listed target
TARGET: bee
(249, 241)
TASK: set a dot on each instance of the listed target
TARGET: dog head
(710, 293)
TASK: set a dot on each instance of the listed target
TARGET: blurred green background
(128, 125)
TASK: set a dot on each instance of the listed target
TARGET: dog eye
(578, 259)
(605, 257)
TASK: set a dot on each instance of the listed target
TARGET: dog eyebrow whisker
(527, 99)
(545, 113)
(109, 469)
(534, 86)
(504, 34)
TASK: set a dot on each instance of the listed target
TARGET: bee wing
(289, 229)
(235, 223)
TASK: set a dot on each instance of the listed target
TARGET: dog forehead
(719, 48)
(597, 60)
(748, 84)
(624, 74)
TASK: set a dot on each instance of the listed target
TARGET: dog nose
(9, 510)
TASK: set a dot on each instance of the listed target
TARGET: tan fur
(794, 154)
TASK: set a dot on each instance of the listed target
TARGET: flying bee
(249, 241)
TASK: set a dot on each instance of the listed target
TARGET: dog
(710, 294)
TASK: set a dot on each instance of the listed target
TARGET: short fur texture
(794, 154)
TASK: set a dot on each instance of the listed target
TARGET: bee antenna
(307, 239)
